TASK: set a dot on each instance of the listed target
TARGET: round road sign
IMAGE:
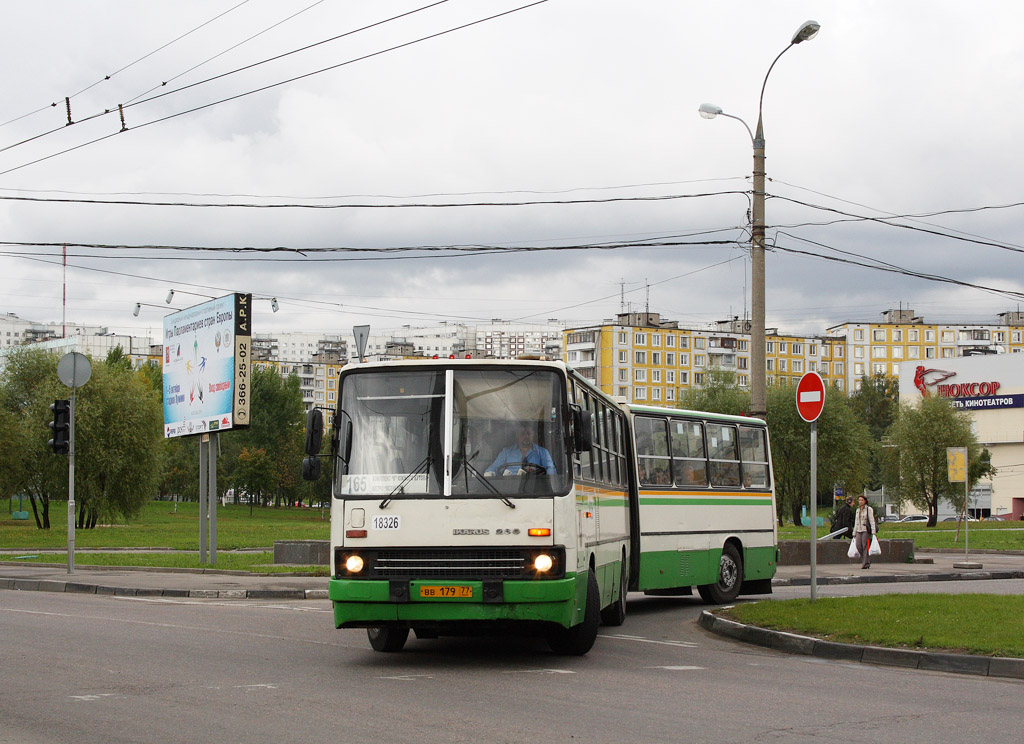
(810, 396)
(74, 369)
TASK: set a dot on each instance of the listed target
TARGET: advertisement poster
(206, 366)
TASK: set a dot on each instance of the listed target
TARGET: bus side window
(724, 455)
(586, 461)
(652, 451)
(754, 456)
(688, 457)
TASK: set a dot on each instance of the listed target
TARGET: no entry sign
(810, 396)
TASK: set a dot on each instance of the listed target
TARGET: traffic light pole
(71, 486)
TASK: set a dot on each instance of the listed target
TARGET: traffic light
(61, 426)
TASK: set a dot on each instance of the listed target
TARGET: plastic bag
(874, 548)
(853, 552)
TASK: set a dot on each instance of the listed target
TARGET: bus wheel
(579, 639)
(615, 613)
(387, 639)
(730, 577)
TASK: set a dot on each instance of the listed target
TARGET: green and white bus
(475, 494)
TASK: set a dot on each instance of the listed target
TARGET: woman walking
(864, 529)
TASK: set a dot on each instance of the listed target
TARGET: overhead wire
(267, 87)
(107, 77)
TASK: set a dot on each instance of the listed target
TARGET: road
(86, 668)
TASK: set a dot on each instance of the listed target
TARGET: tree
(276, 428)
(28, 385)
(844, 445)
(914, 462)
(117, 432)
(876, 403)
(720, 394)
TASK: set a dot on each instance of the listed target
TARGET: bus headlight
(354, 564)
(543, 563)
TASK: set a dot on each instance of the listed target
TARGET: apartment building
(642, 358)
(902, 336)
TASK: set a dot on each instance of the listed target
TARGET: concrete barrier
(798, 552)
(303, 552)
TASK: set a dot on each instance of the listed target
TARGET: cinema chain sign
(968, 395)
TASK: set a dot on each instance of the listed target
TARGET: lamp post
(758, 392)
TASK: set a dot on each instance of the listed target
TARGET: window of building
(684, 360)
(782, 347)
(798, 348)
(698, 378)
(929, 352)
(656, 358)
(1015, 337)
(913, 335)
(929, 335)
(670, 394)
(838, 366)
(640, 357)
(655, 375)
(858, 334)
(684, 378)
(947, 352)
(655, 393)
(623, 375)
(670, 341)
(623, 337)
(878, 352)
(640, 339)
(798, 365)
(913, 352)
(623, 356)
(640, 375)
(769, 347)
(812, 350)
(947, 337)
(897, 335)
(656, 339)
(878, 368)
(670, 358)
(878, 334)
(742, 362)
(684, 342)
(897, 352)
(670, 376)
(858, 352)
(858, 369)
(639, 393)
(699, 342)
(699, 360)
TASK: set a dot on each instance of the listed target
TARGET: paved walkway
(211, 583)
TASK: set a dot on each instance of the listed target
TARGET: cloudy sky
(471, 140)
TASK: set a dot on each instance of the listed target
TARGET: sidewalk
(214, 584)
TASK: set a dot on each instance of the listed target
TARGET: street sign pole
(810, 401)
(814, 510)
(74, 370)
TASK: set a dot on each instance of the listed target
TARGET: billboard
(207, 367)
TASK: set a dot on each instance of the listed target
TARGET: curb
(75, 587)
(985, 666)
(902, 578)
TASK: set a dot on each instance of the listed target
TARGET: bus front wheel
(730, 577)
(579, 639)
(387, 639)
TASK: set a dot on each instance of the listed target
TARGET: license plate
(435, 592)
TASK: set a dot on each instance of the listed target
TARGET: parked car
(957, 519)
(915, 518)
(997, 518)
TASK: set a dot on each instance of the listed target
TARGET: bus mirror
(583, 429)
(311, 468)
(346, 442)
(314, 431)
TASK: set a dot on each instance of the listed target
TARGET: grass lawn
(161, 526)
(256, 562)
(984, 624)
(983, 535)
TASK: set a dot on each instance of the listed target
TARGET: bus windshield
(453, 432)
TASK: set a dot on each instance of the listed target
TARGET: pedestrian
(844, 520)
(864, 530)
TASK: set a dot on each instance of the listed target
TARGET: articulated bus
(476, 495)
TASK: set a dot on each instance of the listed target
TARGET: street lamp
(758, 392)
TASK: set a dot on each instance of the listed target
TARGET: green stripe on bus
(682, 501)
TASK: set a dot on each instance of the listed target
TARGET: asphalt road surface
(86, 668)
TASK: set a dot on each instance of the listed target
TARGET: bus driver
(520, 456)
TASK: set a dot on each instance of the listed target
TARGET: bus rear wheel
(387, 639)
(730, 578)
(579, 639)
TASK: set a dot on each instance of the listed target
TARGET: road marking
(409, 677)
(93, 697)
(678, 668)
(540, 671)
(639, 639)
